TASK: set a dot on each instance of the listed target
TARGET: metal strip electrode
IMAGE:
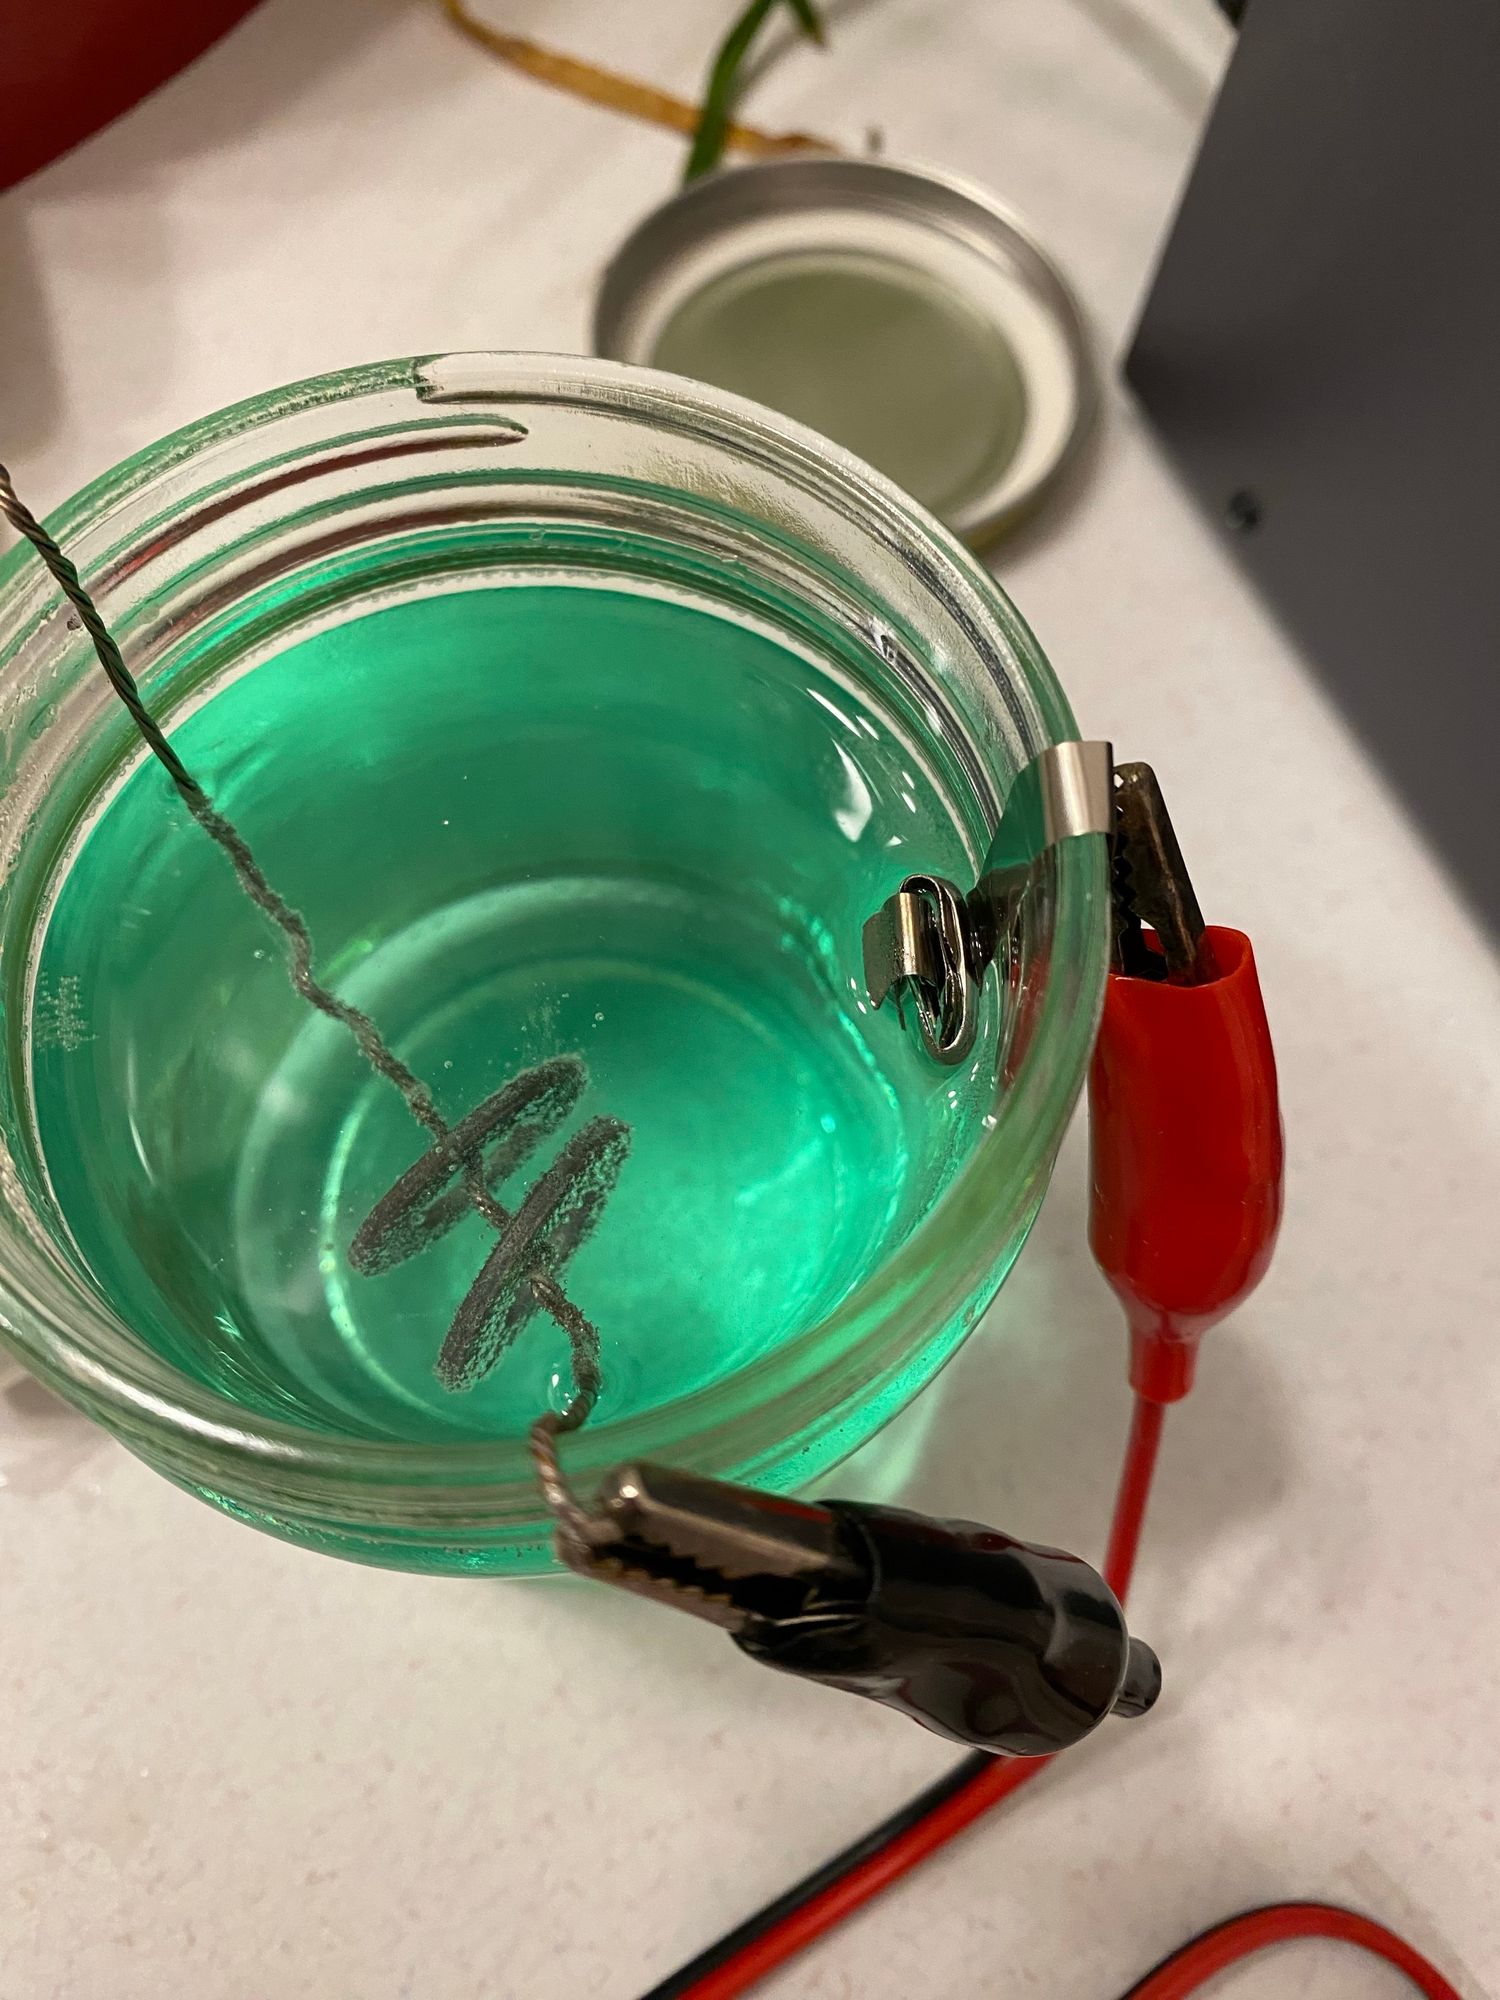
(932, 943)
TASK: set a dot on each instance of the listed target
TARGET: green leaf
(723, 86)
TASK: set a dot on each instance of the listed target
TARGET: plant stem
(724, 79)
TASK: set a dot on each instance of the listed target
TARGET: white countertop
(234, 1769)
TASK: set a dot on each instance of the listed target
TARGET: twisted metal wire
(472, 1331)
(572, 1517)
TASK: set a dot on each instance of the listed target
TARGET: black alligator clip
(992, 1642)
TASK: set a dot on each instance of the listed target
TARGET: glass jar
(802, 690)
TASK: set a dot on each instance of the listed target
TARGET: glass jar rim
(143, 1398)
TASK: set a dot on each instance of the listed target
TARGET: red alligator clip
(1186, 1126)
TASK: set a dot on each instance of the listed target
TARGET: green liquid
(521, 822)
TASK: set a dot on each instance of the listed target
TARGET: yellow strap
(614, 92)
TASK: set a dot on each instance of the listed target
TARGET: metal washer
(988, 284)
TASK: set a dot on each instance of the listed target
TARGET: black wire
(833, 1870)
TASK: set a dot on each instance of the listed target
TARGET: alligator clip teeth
(723, 1553)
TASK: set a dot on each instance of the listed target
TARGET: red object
(1180, 1976)
(1001, 1777)
(1187, 1156)
(69, 68)
(1186, 1205)
(1136, 1475)
(1187, 1187)
(1188, 1970)
(757, 1960)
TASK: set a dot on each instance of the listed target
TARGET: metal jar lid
(901, 313)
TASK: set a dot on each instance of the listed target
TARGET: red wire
(794, 1933)
(1136, 1475)
(1188, 1970)
(1005, 1775)
(1182, 1974)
